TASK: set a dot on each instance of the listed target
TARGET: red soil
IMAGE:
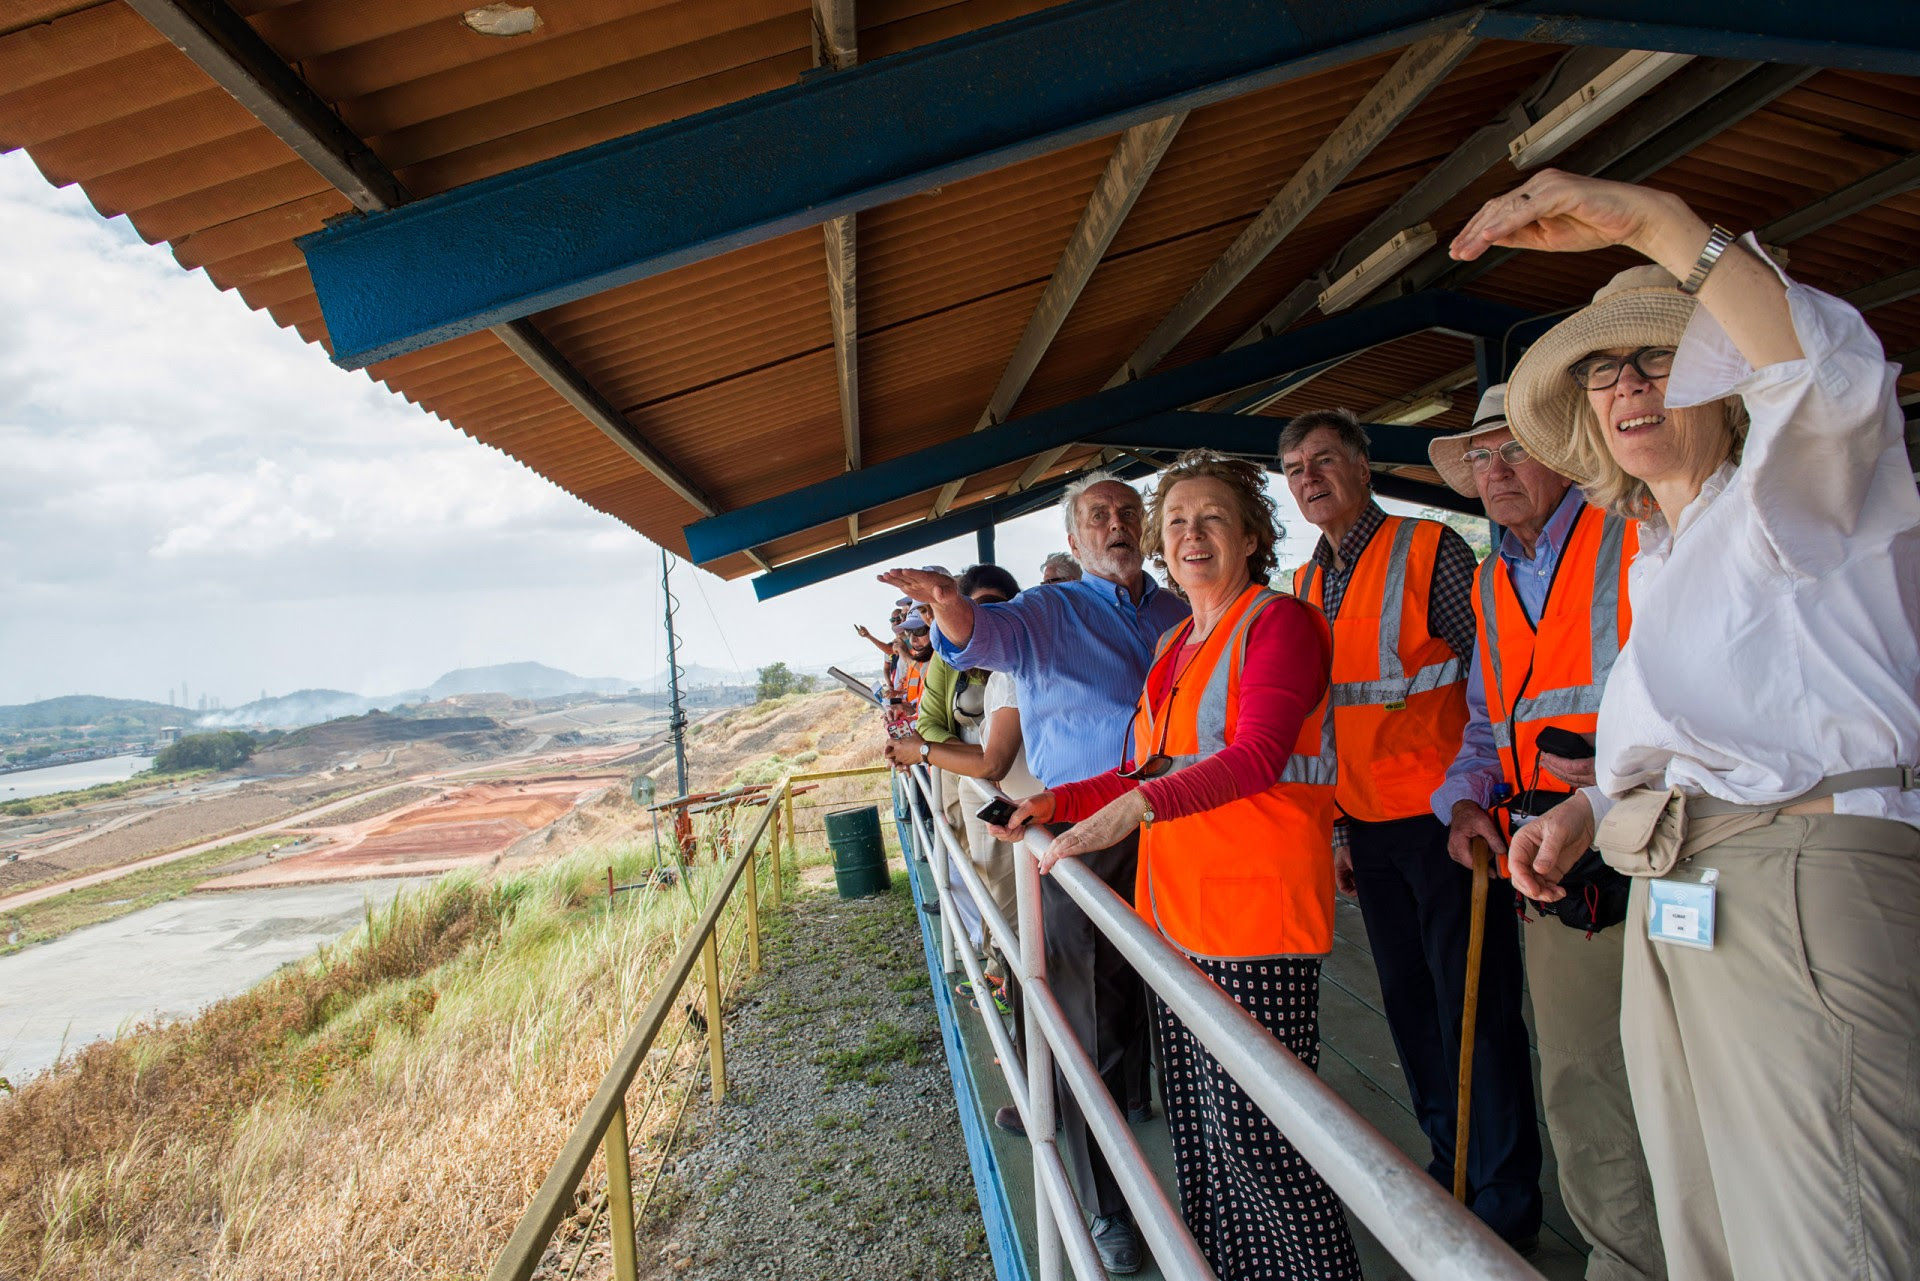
(460, 827)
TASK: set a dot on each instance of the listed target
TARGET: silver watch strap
(1717, 241)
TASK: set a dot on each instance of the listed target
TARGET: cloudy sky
(190, 494)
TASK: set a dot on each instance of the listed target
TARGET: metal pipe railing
(1431, 1235)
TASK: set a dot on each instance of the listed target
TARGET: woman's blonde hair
(1606, 483)
(1255, 506)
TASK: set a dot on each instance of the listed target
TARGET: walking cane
(1469, 1014)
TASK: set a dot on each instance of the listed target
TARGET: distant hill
(695, 675)
(522, 680)
(357, 732)
(285, 711)
(126, 715)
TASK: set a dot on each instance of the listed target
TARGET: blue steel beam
(1856, 35)
(929, 468)
(893, 547)
(632, 207)
(578, 224)
(1392, 443)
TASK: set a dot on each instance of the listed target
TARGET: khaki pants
(992, 859)
(1776, 1076)
(1575, 982)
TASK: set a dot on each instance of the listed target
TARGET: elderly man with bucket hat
(1551, 612)
(1397, 591)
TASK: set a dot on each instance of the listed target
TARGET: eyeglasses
(1513, 453)
(1158, 762)
(1597, 373)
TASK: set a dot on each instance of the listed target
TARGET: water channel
(164, 962)
(21, 784)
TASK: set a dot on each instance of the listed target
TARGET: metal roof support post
(836, 47)
(983, 545)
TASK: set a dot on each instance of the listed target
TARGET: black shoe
(931, 909)
(1142, 1114)
(1008, 1119)
(1526, 1246)
(1117, 1244)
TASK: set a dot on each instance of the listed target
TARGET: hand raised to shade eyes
(1565, 213)
(921, 585)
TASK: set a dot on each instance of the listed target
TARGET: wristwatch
(926, 749)
(1146, 817)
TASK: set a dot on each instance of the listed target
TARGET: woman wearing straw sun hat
(1754, 730)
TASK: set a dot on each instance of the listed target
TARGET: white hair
(1064, 562)
(1070, 500)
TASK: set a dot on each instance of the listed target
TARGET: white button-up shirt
(1774, 625)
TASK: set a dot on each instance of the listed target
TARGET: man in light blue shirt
(1079, 653)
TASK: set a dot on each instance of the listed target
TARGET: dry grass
(384, 1111)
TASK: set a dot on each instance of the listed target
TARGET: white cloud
(188, 492)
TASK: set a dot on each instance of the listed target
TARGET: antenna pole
(676, 716)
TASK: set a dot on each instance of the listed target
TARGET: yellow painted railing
(603, 1126)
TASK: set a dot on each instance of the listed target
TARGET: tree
(777, 680)
(220, 750)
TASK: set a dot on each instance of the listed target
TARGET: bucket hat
(1448, 453)
(1640, 307)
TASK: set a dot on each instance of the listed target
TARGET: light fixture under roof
(1420, 410)
(1379, 267)
(1592, 105)
(502, 20)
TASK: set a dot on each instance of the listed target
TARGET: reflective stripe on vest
(1399, 690)
(1393, 685)
(1210, 729)
(1603, 628)
(1252, 877)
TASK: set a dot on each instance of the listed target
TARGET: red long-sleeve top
(1285, 674)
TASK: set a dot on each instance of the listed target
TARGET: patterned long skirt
(1253, 1203)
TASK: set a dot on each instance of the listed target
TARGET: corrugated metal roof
(727, 365)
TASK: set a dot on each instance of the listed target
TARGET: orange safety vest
(914, 683)
(1399, 692)
(1554, 673)
(1252, 878)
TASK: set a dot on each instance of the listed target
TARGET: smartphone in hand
(995, 812)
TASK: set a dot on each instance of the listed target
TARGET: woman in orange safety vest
(1230, 784)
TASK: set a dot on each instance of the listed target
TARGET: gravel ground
(838, 1152)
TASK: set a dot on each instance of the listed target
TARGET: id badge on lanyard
(1680, 908)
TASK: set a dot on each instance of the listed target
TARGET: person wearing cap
(1398, 592)
(1078, 653)
(1758, 733)
(1551, 611)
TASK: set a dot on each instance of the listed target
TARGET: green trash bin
(859, 854)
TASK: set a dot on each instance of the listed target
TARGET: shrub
(222, 749)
